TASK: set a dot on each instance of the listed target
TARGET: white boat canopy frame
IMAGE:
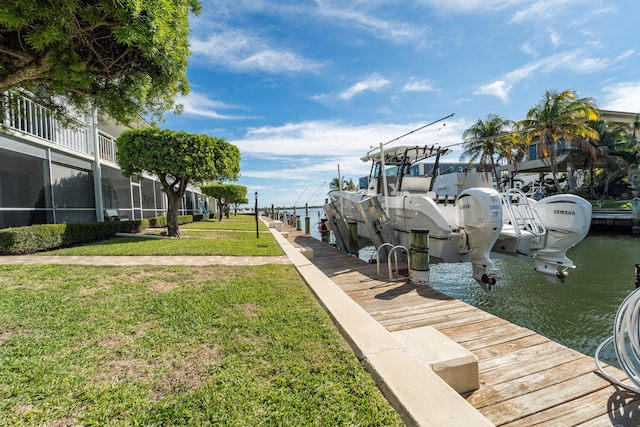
(407, 153)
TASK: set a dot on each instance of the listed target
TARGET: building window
(533, 152)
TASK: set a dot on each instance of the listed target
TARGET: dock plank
(525, 378)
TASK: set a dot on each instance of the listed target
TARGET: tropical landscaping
(596, 153)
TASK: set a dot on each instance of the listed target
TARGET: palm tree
(513, 151)
(556, 117)
(334, 184)
(486, 142)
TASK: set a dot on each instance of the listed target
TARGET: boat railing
(521, 213)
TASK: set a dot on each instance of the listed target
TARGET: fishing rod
(409, 133)
(295, 204)
(314, 193)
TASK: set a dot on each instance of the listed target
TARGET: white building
(50, 173)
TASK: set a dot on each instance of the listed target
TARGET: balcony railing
(107, 146)
(27, 117)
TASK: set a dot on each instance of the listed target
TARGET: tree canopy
(177, 158)
(226, 194)
(126, 58)
(558, 115)
(487, 141)
(346, 185)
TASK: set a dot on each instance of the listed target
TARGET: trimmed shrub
(134, 226)
(158, 222)
(185, 219)
(42, 237)
(161, 221)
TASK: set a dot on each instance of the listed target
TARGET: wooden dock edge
(412, 387)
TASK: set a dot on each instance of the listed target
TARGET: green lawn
(614, 204)
(194, 243)
(234, 222)
(175, 346)
(149, 345)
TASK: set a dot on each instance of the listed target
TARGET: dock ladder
(521, 214)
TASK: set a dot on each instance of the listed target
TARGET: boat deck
(525, 378)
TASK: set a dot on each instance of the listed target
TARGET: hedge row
(42, 237)
(161, 221)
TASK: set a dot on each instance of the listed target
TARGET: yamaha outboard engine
(479, 215)
(567, 218)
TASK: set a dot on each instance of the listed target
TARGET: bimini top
(394, 155)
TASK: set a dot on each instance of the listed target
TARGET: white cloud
(555, 38)
(199, 104)
(526, 48)
(626, 54)
(325, 138)
(623, 96)
(469, 5)
(498, 88)
(575, 61)
(372, 22)
(242, 51)
(415, 85)
(372, 83)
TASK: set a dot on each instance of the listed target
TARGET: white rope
(626, 329)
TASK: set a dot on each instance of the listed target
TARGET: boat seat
(419, 184)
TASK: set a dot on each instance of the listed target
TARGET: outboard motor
(567, 218)
(478, 212)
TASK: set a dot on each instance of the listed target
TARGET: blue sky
(301, 87)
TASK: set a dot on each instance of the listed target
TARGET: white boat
(466, 224)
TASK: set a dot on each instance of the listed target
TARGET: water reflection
(578, 313)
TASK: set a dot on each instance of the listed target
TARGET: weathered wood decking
(525, 378)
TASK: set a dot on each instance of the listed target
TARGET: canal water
(578, 313)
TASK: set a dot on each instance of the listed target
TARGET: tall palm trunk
(550, 141)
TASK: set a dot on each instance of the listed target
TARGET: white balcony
(28, 119)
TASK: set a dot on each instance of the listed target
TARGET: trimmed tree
(225, 194)
(177, 158)
(237, 202)
(125, 58)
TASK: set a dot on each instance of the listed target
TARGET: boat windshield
(389, 170)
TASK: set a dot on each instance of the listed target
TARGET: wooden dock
(525, 378)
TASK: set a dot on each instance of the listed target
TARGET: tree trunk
(549, 139)
(591, 189)
(571, 176)
(173, 207)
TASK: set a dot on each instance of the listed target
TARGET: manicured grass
(194, 243)
(614, 204)
(234, 222)
(242, 346)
